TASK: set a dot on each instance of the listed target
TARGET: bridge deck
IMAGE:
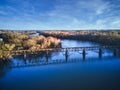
(46, 61)
(64, 49)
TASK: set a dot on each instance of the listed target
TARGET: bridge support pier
(47, 56)
(115, 52)
(24, 54)
(83, 54)
(100, 53)
(66, 55)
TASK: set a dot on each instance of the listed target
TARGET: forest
(12, 40)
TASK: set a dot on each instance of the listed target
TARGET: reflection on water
(59, 57)
(88, 71)
(5, 66)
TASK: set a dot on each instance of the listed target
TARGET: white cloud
(115, 23)
(102, 8)
(75, 14)
(2, 13)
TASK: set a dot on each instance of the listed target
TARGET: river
(91, 73)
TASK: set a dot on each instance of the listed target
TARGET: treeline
(101, 37)
(22, 41)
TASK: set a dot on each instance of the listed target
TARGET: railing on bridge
(66, 50)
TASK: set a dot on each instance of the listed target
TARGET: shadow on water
(65, 77)
(5, 66)
(82, 74)
(45, 59)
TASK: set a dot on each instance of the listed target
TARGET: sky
(59, 14)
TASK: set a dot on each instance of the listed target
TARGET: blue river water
(93, 73)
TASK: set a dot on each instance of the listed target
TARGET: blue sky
(59, 14)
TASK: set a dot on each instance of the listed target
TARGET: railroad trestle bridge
(82, 50)
(115, 50)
